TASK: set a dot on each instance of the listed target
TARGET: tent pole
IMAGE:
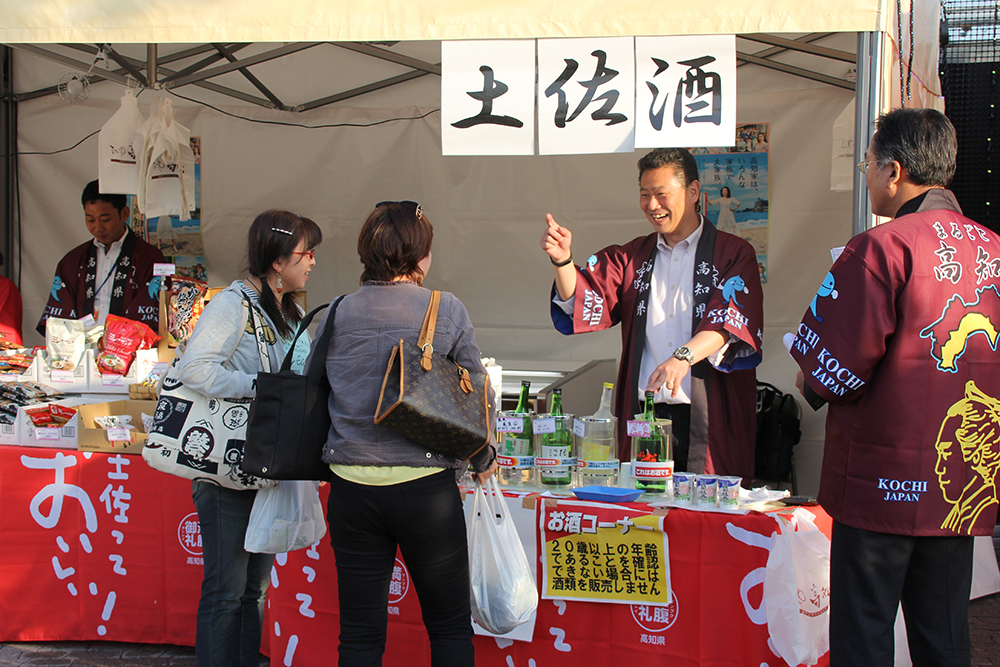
(151, 65)
(867, 107)
(8, 165)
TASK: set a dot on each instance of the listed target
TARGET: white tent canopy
(146, 21)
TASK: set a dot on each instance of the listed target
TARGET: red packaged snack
(122, 337)
(39, 415)
(60, 413)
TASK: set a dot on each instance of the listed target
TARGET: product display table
(98, 546)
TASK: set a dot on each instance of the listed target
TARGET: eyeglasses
(311, 254)
(417, 211)
(863, 165)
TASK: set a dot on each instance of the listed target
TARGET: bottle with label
(515, 460)
(651, 464)
(554, 444)
(597, 444)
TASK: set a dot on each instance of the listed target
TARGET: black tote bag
(290, 419)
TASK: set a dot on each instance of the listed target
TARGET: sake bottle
(650, 449)
(517, 446)
(557, 445)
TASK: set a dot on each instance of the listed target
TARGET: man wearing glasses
(901, 342)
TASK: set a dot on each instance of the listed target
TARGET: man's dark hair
(922, 141)
(92, 193)
(679, 158)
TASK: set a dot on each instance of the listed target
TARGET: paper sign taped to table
(601, 552)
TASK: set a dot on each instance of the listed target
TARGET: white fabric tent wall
(488, 213)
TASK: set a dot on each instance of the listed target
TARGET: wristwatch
(684, 354)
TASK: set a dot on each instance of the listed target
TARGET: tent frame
(154, 73)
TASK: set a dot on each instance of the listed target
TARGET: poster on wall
(734, 188)
(180, 241)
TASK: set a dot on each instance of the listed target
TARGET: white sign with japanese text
(487, 97)
(685, 91)
(586, 95)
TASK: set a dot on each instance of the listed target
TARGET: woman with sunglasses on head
(222, 359)
(387, 491)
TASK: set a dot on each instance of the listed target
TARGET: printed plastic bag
(503, 590)
(285, 517)
(118, 145)
(797, 591)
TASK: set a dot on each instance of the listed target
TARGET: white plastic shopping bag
(118, 147)
(503, 591)
(285, 517)
(797, 591)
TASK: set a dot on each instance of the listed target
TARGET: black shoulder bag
(290, 418)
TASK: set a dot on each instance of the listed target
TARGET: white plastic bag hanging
(285, 517)
(118, 146)
(797, 591)
(503, 591)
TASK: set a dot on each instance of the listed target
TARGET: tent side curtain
(195, 21)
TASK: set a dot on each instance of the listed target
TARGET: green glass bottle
(518, 444)
(557, 445)
(649, 450)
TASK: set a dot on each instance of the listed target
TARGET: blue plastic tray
(608, 494)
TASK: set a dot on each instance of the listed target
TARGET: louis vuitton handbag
(428, 398)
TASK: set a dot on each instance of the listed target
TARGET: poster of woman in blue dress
(734, 188)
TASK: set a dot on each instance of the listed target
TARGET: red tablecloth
(98, 546)
(95, 546)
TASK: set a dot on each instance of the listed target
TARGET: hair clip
(283, 231)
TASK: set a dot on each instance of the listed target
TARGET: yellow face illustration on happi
(968, 448)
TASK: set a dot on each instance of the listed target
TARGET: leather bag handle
(426, 340)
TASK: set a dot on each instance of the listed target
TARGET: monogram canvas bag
(428, 398)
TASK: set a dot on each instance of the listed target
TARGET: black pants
(426, 520)
(872, 573)
(680, 413)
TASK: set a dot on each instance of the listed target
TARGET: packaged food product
(113, 421)
(187, 300)
(61, 413)
(23, 393)
(65, 343)
(122, 337)
(38, 414)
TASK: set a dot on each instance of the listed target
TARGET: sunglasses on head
(419, 212)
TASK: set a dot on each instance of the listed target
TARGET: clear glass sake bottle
(651, 465)
(515, 459)
(597, 455)
(553, 454)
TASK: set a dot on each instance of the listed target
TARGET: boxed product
(103, 426)
(107, 383)
(18, 366)
(51, 424)
(73, 381)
